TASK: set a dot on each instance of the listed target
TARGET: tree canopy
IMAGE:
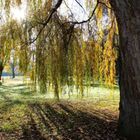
(55, 50)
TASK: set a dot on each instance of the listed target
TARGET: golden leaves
(99, 12)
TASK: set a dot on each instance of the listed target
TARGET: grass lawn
(27, 115)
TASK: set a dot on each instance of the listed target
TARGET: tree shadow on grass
(64, 122)
(31, 131)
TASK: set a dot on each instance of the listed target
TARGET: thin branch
(80, 5)
(85, 21)
(69, 8)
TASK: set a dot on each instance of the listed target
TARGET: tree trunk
(13, 70)
(56, 90)
(128, 18)
(1, 69)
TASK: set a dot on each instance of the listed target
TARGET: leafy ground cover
(26, 115)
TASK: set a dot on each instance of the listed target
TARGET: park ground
(27, 115)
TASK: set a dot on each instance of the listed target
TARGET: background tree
(9, 40)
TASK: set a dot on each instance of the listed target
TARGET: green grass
(16, 90)
(17, 99)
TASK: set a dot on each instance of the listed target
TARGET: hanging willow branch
(62, 57)
(53, 10)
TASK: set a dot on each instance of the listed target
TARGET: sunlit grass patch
(15, 89)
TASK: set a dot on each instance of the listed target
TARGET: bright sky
(19, 13)
(71, 6)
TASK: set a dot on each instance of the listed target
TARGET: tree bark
(128, 17)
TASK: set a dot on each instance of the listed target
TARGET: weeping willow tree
(9, 40)
(53, 51)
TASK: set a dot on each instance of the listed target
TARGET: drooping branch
(71, 22)
(53, 10)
